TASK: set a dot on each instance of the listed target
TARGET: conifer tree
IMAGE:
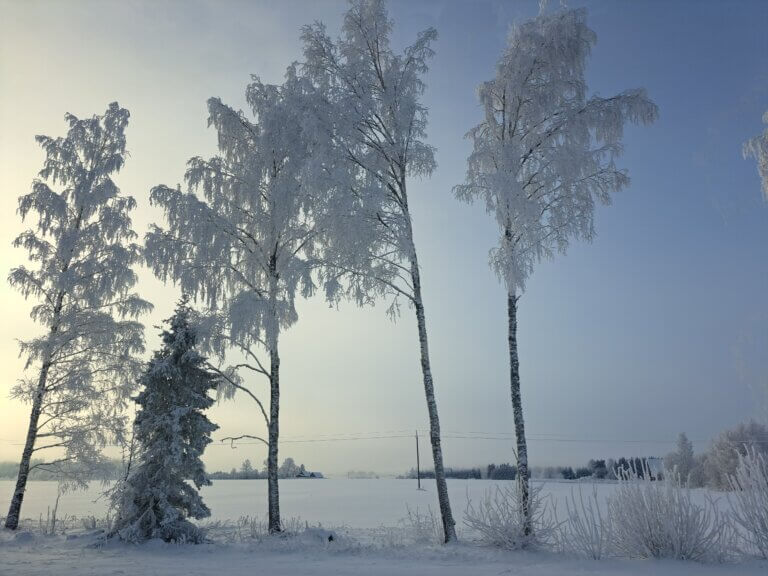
(157, 499)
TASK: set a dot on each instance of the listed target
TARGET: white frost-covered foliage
(588, 529)
(369, 97)
(81, 247)
(749, 501)
(545, 153)
(171, 431)
(371, 106)
(242, 238)
(757, 148)
(659, 519)
(499, 518)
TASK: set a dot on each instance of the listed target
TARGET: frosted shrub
(498, 518)
(422, 527)
(248, 529)
(749, 502)
(588, 529)
(654, 519)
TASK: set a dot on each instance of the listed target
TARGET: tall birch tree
(241, 239)
(372, 101)
(82, 370)
(542, 157)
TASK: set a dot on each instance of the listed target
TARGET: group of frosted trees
(309, 192)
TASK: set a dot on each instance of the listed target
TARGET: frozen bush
(587, 529)
(749, 502)
(498, 518)
(660, 520)
(422, 528)
(248, 529)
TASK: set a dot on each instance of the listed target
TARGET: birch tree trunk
(523, 475)
(273, 490)
(14, 511)
(449, 525)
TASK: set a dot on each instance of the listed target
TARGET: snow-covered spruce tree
(757, 148)
(83, 368)
(370, 96)
(171, 431)
(543, 155)
(242, 238)
(681, 462)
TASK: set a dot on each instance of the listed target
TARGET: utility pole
(418, 470)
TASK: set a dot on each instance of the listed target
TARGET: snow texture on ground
(374, 539)
(27, 554)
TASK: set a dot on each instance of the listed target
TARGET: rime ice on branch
(242, 239)
(757, 148)
(369, 99)
(82, 370)
(543, 155)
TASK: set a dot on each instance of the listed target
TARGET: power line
(451, 435)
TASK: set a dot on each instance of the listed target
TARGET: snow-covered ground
(365, 516)
(45, 557)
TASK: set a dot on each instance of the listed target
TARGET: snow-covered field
(365, 516)
(331, 502)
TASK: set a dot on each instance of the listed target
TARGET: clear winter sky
(659, 326)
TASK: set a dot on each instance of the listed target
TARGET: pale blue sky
(659, 326)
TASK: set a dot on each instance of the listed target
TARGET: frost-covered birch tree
(371, 96)
(160, 495)
(241, 239)
(757, 148)
(542, 157)
(82, 369)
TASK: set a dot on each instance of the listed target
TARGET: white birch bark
(523, 475)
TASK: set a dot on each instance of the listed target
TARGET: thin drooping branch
(233, 439)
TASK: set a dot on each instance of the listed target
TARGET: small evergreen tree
(681, 461)
(172, 432)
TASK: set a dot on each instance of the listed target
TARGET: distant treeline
(288, 469)
(108, 470)
(596, 469)
(602, 469)
(362, 475)
(490, 472)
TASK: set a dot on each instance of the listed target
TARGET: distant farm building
(308, 474)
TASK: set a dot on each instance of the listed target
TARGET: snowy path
(71, 558)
